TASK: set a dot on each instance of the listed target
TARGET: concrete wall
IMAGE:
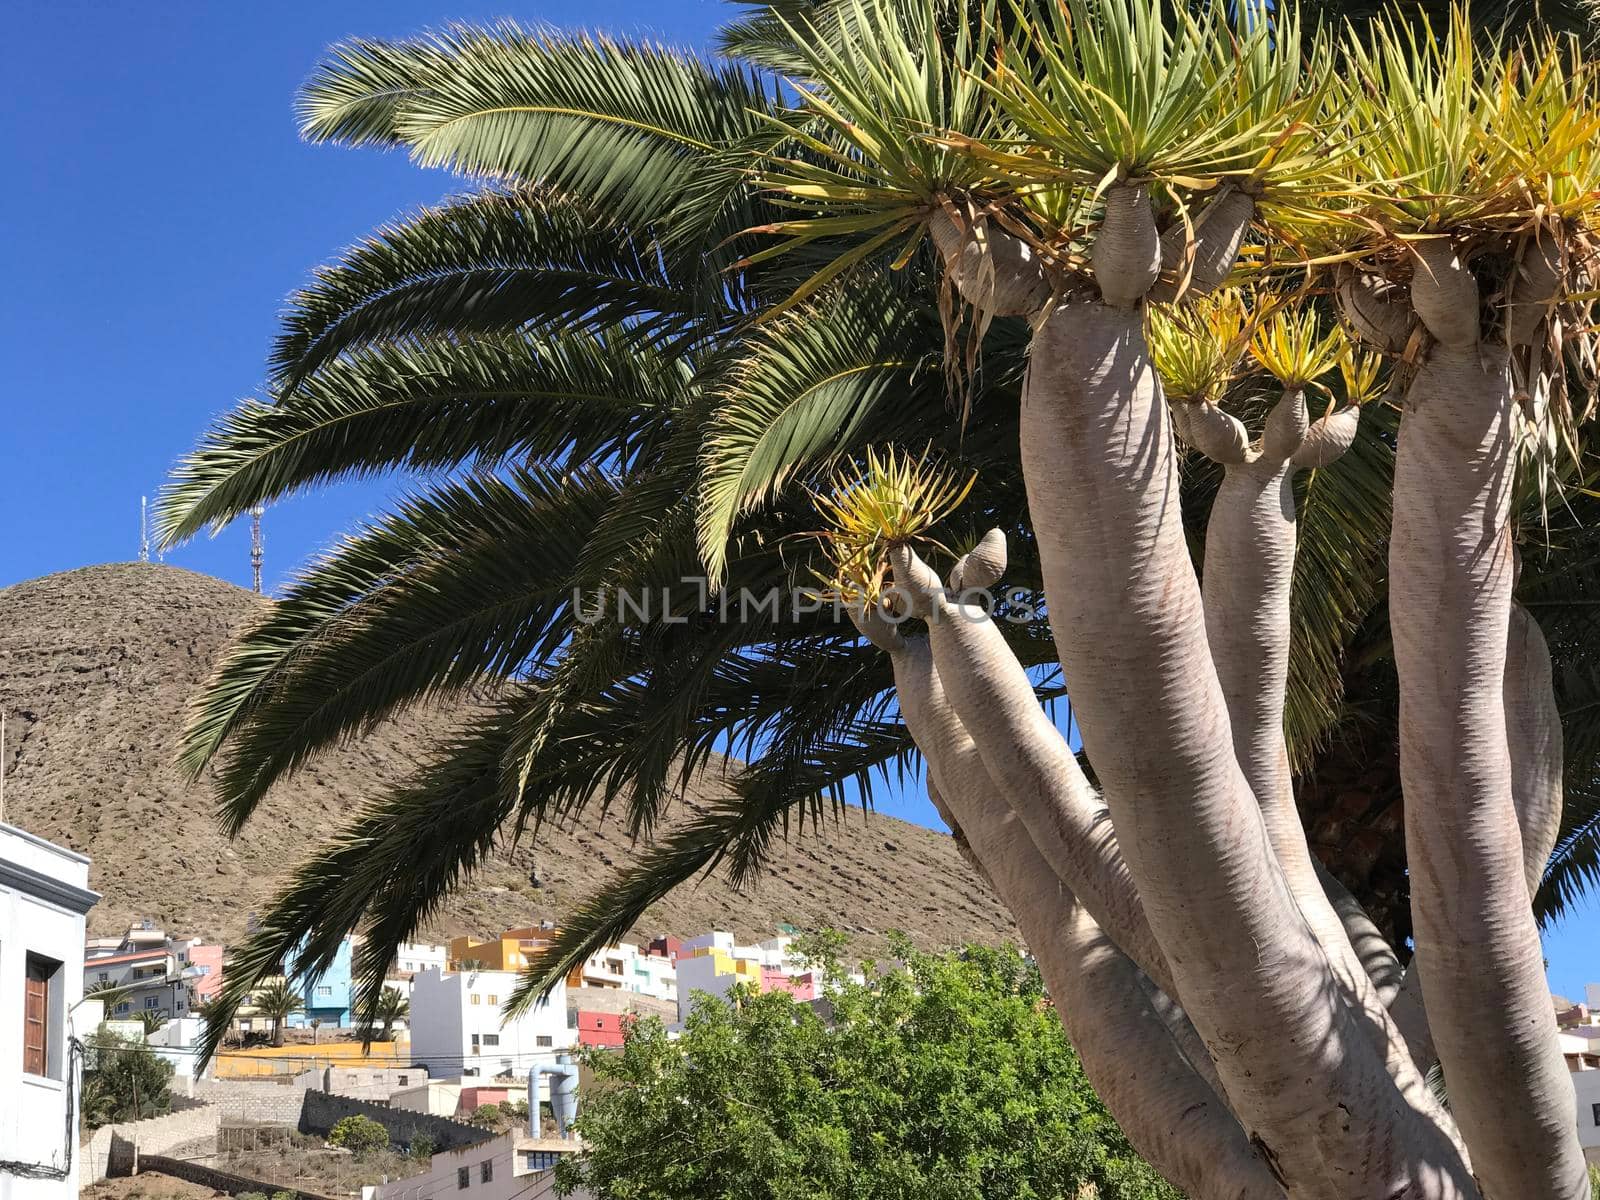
(321, 1112)
(253, 1102)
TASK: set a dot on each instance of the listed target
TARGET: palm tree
(152, 1020)
(572, 337)
(392, 1007)
(277, 1002)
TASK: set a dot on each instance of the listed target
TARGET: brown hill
(96, 666)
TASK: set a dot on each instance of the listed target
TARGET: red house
(599, 1029)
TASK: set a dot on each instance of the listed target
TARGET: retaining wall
(321, 1112)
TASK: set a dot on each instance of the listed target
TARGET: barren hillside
(96, 666)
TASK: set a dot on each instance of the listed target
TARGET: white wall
(457, 1027)
(43, 898)
(1586, 1085)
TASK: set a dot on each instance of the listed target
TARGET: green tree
(951, 1079)
(277, 1001)
(392, 1007)
(359, 1134)
(123, 1081)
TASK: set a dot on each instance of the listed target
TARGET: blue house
(327, 997)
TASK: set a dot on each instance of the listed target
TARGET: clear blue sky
(158, 209)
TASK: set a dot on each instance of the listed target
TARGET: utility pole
(144, 529)
(257, 550)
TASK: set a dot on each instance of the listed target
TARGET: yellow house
(508, 952)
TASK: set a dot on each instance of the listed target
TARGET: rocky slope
(97, 665)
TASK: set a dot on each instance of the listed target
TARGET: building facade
(44, 900)
(327, 996)
(458, 1029)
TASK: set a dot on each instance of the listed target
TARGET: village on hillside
(455, 1092)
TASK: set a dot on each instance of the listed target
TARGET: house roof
(130, 956)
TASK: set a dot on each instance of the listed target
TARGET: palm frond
(356, 96)
(430, 406)
(802, 389)
(425, 602)
(492, 264)
(625, 125)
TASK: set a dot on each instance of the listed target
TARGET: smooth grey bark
(1533, 731)
(1299, 1069)
(1377, 957)
(1250, 551)
(1030, 761)
(1124, 604)
(1169, 1112)
(1451, 574)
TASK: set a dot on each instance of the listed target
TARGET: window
(324, 992)
(404, 1079)
(486, 1172)
(40, 1021)
(474, 1041)
(1595, 1113)
(463, 1177)
(494, 999)
(543, 1039)
(125, 1006)
(491, 1039)
(476, 999)
(539, 1160)
(152, 1002)
(104, 977)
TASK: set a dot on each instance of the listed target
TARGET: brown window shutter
(35, 1022)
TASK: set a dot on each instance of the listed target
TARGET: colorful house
(327, 996)
(510, 951)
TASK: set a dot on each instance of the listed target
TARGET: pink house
(801, 987)
(209, 960)
(474, 1098)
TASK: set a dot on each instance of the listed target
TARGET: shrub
(283, 1195)
(487, 1115)
(422, 1147)
(359, 1134)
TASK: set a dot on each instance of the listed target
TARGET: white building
(44, 898)
(412, 957)
(457, 1027)
(512, 1166)
(623, 967)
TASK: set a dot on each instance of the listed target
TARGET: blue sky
(158, 209)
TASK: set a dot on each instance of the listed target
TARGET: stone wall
(254, 1101)
(151, 1136)
(210, 1177)
(322, 1112)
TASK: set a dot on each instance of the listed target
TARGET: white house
(412, 957)
(512, 1166)
(457, 1027)
(44, 898)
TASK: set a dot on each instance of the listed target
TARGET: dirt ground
(148, 1187)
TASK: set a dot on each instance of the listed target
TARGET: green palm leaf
(488, 265)
(390, 619)
(424, 407)
(624, 125)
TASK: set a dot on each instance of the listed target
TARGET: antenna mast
(257, 551)
(144, 529)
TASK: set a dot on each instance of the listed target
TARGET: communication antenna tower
(257, 550)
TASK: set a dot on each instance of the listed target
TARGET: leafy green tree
(359, 1134)
(123, 1081)
(490, 1116)
(952, 1079)
(421, 1147)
